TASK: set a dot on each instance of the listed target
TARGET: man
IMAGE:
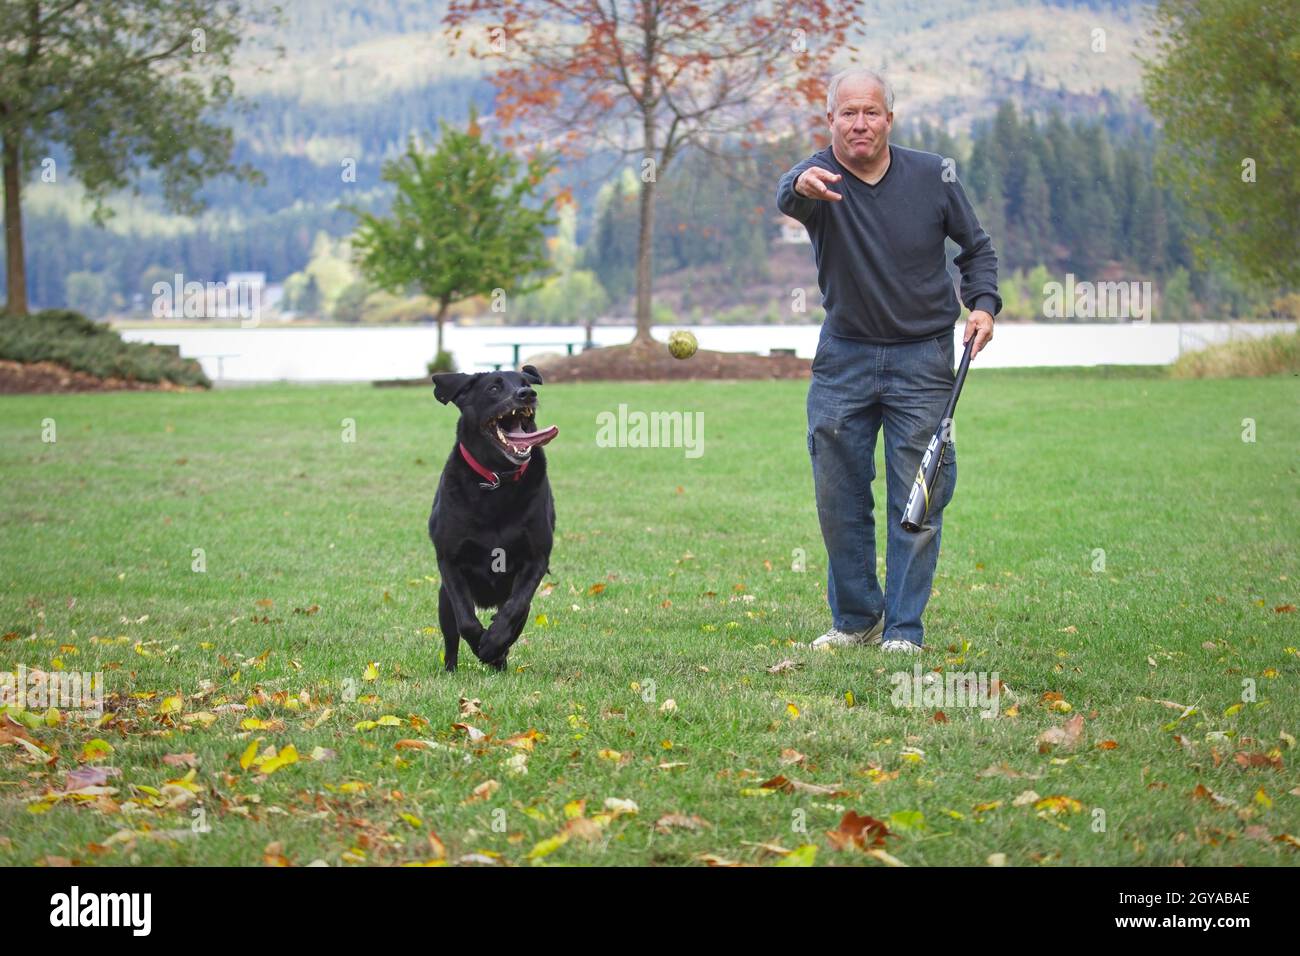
(877, 215)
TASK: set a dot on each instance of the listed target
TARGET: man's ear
(531, 375)
(450, 386)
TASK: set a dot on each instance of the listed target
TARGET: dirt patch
(45, 378)
(651, 362)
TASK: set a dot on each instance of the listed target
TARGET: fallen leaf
(856, 830)
(669, 820)
(484, 790)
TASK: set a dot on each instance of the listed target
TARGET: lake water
(364, 353)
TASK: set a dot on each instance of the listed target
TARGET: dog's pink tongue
(529, 439)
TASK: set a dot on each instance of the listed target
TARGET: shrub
(70, 339)
(1247, 358)
(443, 363)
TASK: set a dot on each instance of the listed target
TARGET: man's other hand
(980, 324)
(813, 182)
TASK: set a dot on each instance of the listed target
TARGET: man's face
(860, 124)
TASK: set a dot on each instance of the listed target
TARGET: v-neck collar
(873, 189)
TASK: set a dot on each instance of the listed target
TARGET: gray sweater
(881, 263)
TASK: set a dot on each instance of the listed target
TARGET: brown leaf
(89, 777)
(940, 717)
(786, 785)
(790, 756)
(484, 791)
(860, 831)
(468, 708)
(1258, 832)
(782, 667)
(1202, 792)
(669, 820)
(273, 855)
(1248, 761)
(1068, 735)
(583, 828)
(181, 760)
(1003, 770)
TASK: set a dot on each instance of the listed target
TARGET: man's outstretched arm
(819, 187)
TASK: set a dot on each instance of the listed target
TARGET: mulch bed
(652, 362)
(45, 378)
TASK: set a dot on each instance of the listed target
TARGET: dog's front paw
(472, 635)
(494, 644)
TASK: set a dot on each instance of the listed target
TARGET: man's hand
(813, 182)
(980, 324)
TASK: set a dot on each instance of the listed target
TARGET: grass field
(1115, 551)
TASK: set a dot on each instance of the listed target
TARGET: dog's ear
(450, 386)
(531, 375)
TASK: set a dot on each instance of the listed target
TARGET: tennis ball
(682, 344)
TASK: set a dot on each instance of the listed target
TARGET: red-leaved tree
(650, 78)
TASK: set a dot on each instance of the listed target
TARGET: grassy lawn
(671, 580)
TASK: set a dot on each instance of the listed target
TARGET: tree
(1224, 83)
(88, 293)
(461, 224)
(650, 78)
(121, 85)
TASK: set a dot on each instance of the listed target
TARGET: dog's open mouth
(517, 432)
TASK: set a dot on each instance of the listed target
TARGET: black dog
(493, 517)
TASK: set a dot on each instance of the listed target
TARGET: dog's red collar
(493, 478)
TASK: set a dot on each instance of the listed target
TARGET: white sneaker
(838, 638)
(900, 647)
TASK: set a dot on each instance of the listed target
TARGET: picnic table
(516, 347)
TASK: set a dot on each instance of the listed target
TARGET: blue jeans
(857, 386)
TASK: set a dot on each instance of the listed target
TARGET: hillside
(335, 83)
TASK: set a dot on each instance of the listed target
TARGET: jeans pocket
(819, 354)
(944, 347)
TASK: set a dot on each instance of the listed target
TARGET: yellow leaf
(1059, 804)
(250, 754)
(548, 846)
(610, 755)
(800, 856)
(372, 671)
(95, 749)
(412, 819)
(1232, 710)
(285, 757)
(388, 720)
(170, 705)
(574, 809)
(792, 711)
(1263, 799)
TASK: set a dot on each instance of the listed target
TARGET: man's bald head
(858, 75)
